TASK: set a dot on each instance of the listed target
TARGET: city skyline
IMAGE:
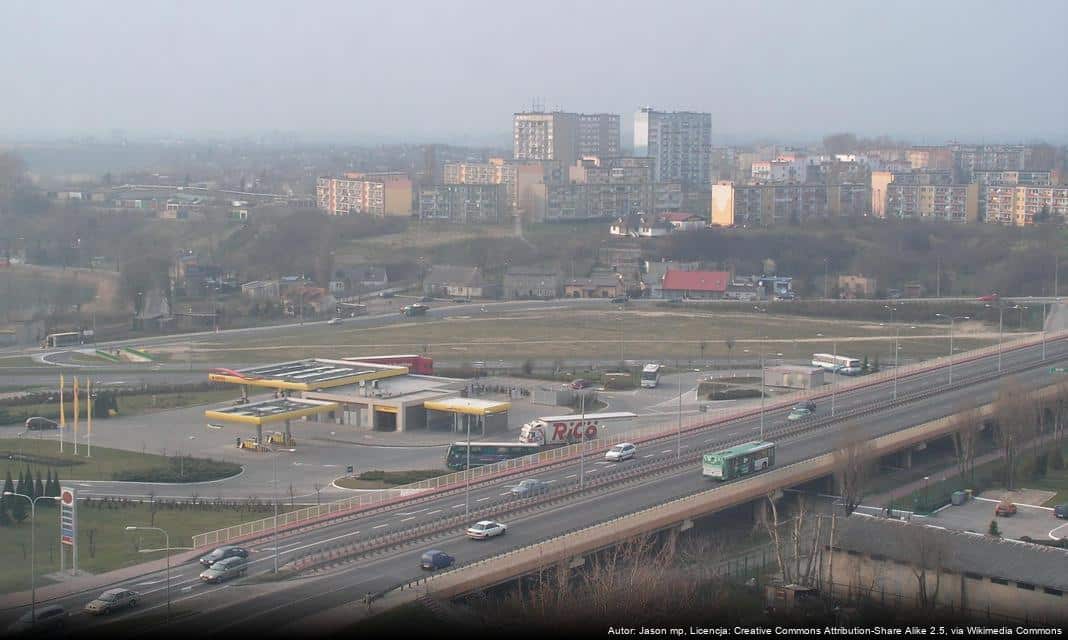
(765, 70)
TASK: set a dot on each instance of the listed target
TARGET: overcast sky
(456, 70)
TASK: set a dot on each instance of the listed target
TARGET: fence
(312, 515)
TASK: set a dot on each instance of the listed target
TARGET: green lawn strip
(128, 405)
(388, 479)
(105, 464)
(112, 546)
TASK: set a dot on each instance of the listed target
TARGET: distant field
(604, 334)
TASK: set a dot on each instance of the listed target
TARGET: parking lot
(975, 515)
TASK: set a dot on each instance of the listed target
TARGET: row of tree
(13, 509)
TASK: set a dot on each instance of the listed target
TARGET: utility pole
(582, 445)
(678, 432)
(834, 382)
(274, 481)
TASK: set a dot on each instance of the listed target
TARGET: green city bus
(738, 461)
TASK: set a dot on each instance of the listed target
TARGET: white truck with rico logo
(552, 431)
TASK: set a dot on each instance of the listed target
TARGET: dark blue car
(435, 559)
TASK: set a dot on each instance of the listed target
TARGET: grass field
(606, 334)
(112, 546)
(45, 455)
(128, 405)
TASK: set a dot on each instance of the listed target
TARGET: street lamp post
(1001, 314)
(33, 547)
(274, 483)
(467, 472)
(167, 539)
(678, 430)
(834, 380)
(951, 320)
(582, 445)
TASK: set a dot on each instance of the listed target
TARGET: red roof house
(695, 284)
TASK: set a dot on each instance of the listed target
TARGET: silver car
(225, 569)
(530, 487)
(112, 600)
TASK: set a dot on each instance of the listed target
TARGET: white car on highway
(485, 529)
(620, 452)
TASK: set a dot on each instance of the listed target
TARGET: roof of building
(449, 274)
(960, 551)
(268, 411)
(696, 280)
(307, 375)
(471, 406)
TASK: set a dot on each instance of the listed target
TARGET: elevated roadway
(265, 608)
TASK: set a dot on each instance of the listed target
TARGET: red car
(989, 298)
(581, 383)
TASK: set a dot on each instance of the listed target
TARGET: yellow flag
(62, 414)
(75, 415)
(89, 417)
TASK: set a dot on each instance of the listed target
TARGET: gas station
(268, 412)
(359, 393)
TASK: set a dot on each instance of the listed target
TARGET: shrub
(181, 470)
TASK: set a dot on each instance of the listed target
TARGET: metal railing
(386, 497)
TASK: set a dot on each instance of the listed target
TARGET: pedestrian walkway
(94, 582)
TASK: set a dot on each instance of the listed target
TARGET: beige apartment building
(772, 204)
(1022, 206)
(382, 194)
(923, 194)
(494, 172)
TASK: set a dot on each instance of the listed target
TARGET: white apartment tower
(680, 143)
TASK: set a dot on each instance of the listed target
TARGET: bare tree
(965, 435)
(796, 551)
(1013, 411)
(852, 461)
(930, 559)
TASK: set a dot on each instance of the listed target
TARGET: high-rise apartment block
(774, 204)
(365, 193)
(564, 137)
(1025, 205)
(464, 203)
(496, 171)
(679, 142)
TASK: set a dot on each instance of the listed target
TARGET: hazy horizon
(427, 72)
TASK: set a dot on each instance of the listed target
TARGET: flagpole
(75, 415)
(62, 414)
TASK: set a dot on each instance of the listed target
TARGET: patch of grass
(105, 464)
(989, 476)
(112, 547)
(587, 333)
(388, 479)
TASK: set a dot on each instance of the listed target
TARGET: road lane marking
(434, 511)
(550, 481)
(666, 451)
(506, 493)
(457, 506)
(380, 526)
(573, 475)
(482, 499)
(407, 519)
(650, 455)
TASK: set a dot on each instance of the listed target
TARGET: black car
(222, 553)
(461, 300)
(1061, 511)
(620, 300)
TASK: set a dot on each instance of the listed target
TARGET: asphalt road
(260, 609)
